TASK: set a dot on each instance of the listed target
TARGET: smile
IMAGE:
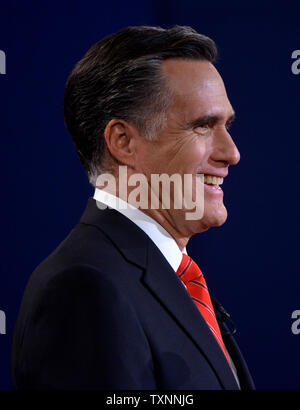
(213, 180)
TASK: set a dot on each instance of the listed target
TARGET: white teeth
(210, 179)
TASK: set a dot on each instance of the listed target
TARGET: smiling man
(120, 304)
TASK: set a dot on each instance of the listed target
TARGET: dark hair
(121, 77)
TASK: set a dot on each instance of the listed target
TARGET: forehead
(197, 88)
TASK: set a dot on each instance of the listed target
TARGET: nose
(225, 149)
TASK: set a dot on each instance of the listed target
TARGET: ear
(120, 139)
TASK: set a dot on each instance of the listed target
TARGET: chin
(214, 217)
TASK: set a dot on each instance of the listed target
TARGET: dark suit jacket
(106, 311)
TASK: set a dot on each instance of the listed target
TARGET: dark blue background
(251, 262)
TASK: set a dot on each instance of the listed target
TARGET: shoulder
(87, 267)
(87, 254)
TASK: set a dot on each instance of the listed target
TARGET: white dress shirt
(162, 239)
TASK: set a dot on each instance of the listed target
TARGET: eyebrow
(213, 119)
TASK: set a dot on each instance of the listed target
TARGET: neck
(165, 221)
(165, 217)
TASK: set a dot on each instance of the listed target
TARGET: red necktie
(192, 277)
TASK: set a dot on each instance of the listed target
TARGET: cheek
(146, 159)
(181, 157)
(195, 154)
(188, 155)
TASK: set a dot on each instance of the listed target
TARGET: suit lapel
(161, 279)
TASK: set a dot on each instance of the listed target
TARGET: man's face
(195, 139)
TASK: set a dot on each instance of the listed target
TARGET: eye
(204, 127)
(200, 129)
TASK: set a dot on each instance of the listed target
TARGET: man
(119, 304)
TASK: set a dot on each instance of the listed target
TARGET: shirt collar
(162, 239)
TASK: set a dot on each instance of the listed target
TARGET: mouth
(212, 180)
